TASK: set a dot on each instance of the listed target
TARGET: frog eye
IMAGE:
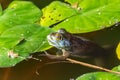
(58, 36)
(62, 31)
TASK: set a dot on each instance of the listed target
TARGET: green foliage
(28, 39)
(99, 76)
(117, 68)
(0, 10)
(17, 13)
(56, 12)
(91, 15)
(20, 36)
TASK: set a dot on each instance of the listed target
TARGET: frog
(72, 45)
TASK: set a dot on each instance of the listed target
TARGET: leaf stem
(91, 66)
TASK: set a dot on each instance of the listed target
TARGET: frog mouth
(58, 43)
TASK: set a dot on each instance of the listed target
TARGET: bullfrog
(72, 45)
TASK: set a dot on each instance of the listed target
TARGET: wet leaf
(9, 42)
(0, 9)
(17, 13)
(6, 60)
(118, 51)
(99, 76)
(93, 15)
(55, 12)
(18, 42)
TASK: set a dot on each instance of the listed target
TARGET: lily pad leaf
(117, 68)
(0, 9)
(93, 15)
(118, 51)
(56, 12)
(34, 43)
(9, 58)
(93, 18)
(17, 13)
(20, 42)
(99, 76)
(9, 42)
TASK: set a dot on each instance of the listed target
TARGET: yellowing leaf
(118, 51)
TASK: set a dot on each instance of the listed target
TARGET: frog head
(59, 40)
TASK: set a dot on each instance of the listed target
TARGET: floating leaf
(6, 46)
(94, 18)
(20, 41)
(56, 12)
(99, 76)
(118, 51)
(0, 9)
(6, 60)
(17, 13)
(9, 42)
(93, 15)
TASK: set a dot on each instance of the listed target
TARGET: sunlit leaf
(99, 76)
(118, 51)
(56, 12)
(22, 40)
(7, 45)
(0, 9)
(93, 15)
(19, 12)
(6, 60)
(9, 42)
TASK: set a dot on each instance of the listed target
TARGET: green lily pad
(6, 46)
(8, 58)
(56, 12)
(9, 42)
(20, 35)
(117, 68)
(93, 18)
(93, 15)
(17, 13)
(0, 9)
(99, 76)
(35, 42)
(18, 42)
